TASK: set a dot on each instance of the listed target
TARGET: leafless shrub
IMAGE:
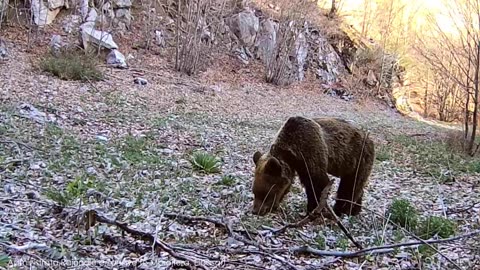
(455, 141)
(282, 68)
(197, 24)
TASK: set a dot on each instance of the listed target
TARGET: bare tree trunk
(333, 9)
(475, 103)
(425, 106)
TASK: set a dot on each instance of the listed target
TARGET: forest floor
(99, 162)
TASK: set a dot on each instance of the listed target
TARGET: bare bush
(455, 141)
(282, 68)
(197, 24)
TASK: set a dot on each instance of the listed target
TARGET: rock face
(301, 53)
(71, 23)
(266, 40)
(244, 26)
(122, 13)
(42, 15)
(325, 61)
(310, 48)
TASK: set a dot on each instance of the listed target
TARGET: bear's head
(270, 184)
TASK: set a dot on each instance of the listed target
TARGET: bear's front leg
(317, 189)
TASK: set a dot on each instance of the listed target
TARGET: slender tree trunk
(475, 104)
(333, 9)
(425, 106)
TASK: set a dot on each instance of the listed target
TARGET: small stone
(32, 195)
(160, 38)
(102, 138)
(116, 59)
(3, 49)
(122, 4)
(140, 81)
(56, 44)
(91, 171)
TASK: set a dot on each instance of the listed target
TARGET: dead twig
(461, 210)
(321, 205)
(343, 228)
(409, 233)
(18, 143)
(23, 250)
(373, 250)
(93, 217)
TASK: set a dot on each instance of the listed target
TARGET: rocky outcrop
(43, 14)
(259, 39)
(266, 39)
(244, 26)
(324, 60)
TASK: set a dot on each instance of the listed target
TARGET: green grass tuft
(71, 65)
(403, 213)
(440, 226)
(206, 162)
(227, 180)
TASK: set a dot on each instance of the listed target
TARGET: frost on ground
(101, 175)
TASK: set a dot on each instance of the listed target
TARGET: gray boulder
(56, 44)
(116, 59)
(99, 38)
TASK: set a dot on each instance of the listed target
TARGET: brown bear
(313, 148)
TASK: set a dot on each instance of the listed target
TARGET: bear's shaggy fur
(313, 148)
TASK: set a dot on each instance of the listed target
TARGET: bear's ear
(256, 157)
(273, 167)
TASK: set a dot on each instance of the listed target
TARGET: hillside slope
(123, 150)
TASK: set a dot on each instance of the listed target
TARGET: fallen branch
(457, 211)
(23, 250)
(374, 250)
(137, 248)
(258, 252)
(26, 247)
(18, 143)
(322, 205)
(231, 232)
(407, 232)
(343, 228)
(93, 217)
(310, 217)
